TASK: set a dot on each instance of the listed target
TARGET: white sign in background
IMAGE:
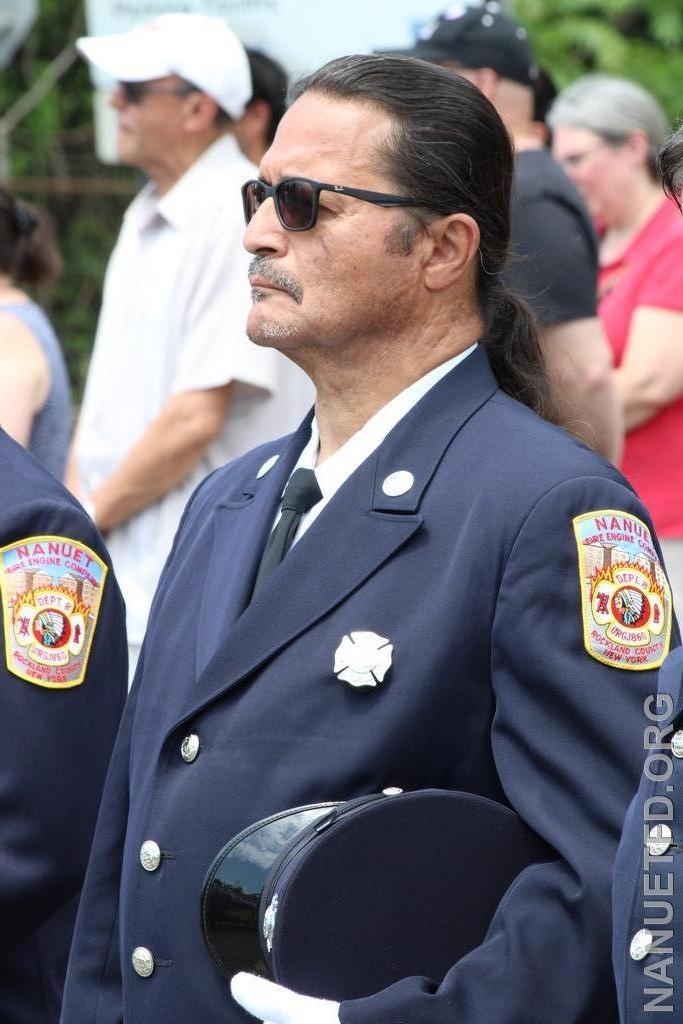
(16, 19)
(301, 34)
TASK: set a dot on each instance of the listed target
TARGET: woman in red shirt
(607, 133)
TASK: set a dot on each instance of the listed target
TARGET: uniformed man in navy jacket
(427, 585)
(648, 875)
(63, 675)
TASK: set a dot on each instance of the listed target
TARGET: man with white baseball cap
(175, 389)
(197, 48)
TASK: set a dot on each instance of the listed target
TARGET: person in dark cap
(647, 899)
(413, 590)
(553, 262)
(545, 92)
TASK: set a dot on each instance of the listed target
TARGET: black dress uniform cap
(340, 900)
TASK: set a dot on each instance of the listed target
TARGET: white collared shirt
(173, 318)
(339, 466)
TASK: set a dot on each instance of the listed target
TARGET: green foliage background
(52, 162)
(638, 39)
(52, 159)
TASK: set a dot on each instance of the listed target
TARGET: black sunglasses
(133, 92)
(296, 199)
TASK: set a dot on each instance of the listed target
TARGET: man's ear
(256, 118)
(200, 111)
(637, 146)
(486, 80)
(452, 244)
(252, 129)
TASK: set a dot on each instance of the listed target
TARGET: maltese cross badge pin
(363, 659)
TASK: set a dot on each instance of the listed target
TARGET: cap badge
(269, 922)
(363, 659)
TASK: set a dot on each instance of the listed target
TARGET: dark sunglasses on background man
(133, 92)
(296, 199)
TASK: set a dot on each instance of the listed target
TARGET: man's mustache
(262, 266)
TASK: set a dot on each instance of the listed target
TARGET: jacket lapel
(359, 530)
(340, 550)
(241, 525)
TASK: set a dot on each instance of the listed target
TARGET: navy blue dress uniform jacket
(648, 874)
(55, 751)
(472, 576)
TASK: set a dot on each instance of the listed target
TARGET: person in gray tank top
(35, 402)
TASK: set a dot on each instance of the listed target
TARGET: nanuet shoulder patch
(625, 595)
(51, 590)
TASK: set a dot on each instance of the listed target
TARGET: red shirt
(650, 273)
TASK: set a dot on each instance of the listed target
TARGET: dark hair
(671, 166)
(269, 83)
(451, 152)
(28, 250)
(545, 91)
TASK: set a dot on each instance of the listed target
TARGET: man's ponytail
(514, 351)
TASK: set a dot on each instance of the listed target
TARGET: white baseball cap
(201, 49)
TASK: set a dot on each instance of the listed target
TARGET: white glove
(274, 1004)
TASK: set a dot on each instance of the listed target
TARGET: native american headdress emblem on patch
(51, 593)
(625, 596)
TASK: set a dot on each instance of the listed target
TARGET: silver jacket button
(641, 944)
(677, 743)
(189, 748)
(150, 855)
(143, 961)
(659, 840)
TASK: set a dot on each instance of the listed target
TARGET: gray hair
(613, 108)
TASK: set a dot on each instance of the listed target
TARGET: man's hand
(274, 1004)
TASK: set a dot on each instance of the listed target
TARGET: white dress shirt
(338, 467)
(173, 317)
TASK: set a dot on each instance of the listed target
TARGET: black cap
(341, 900)
(478, 35)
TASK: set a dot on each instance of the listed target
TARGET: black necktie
(301, 494)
